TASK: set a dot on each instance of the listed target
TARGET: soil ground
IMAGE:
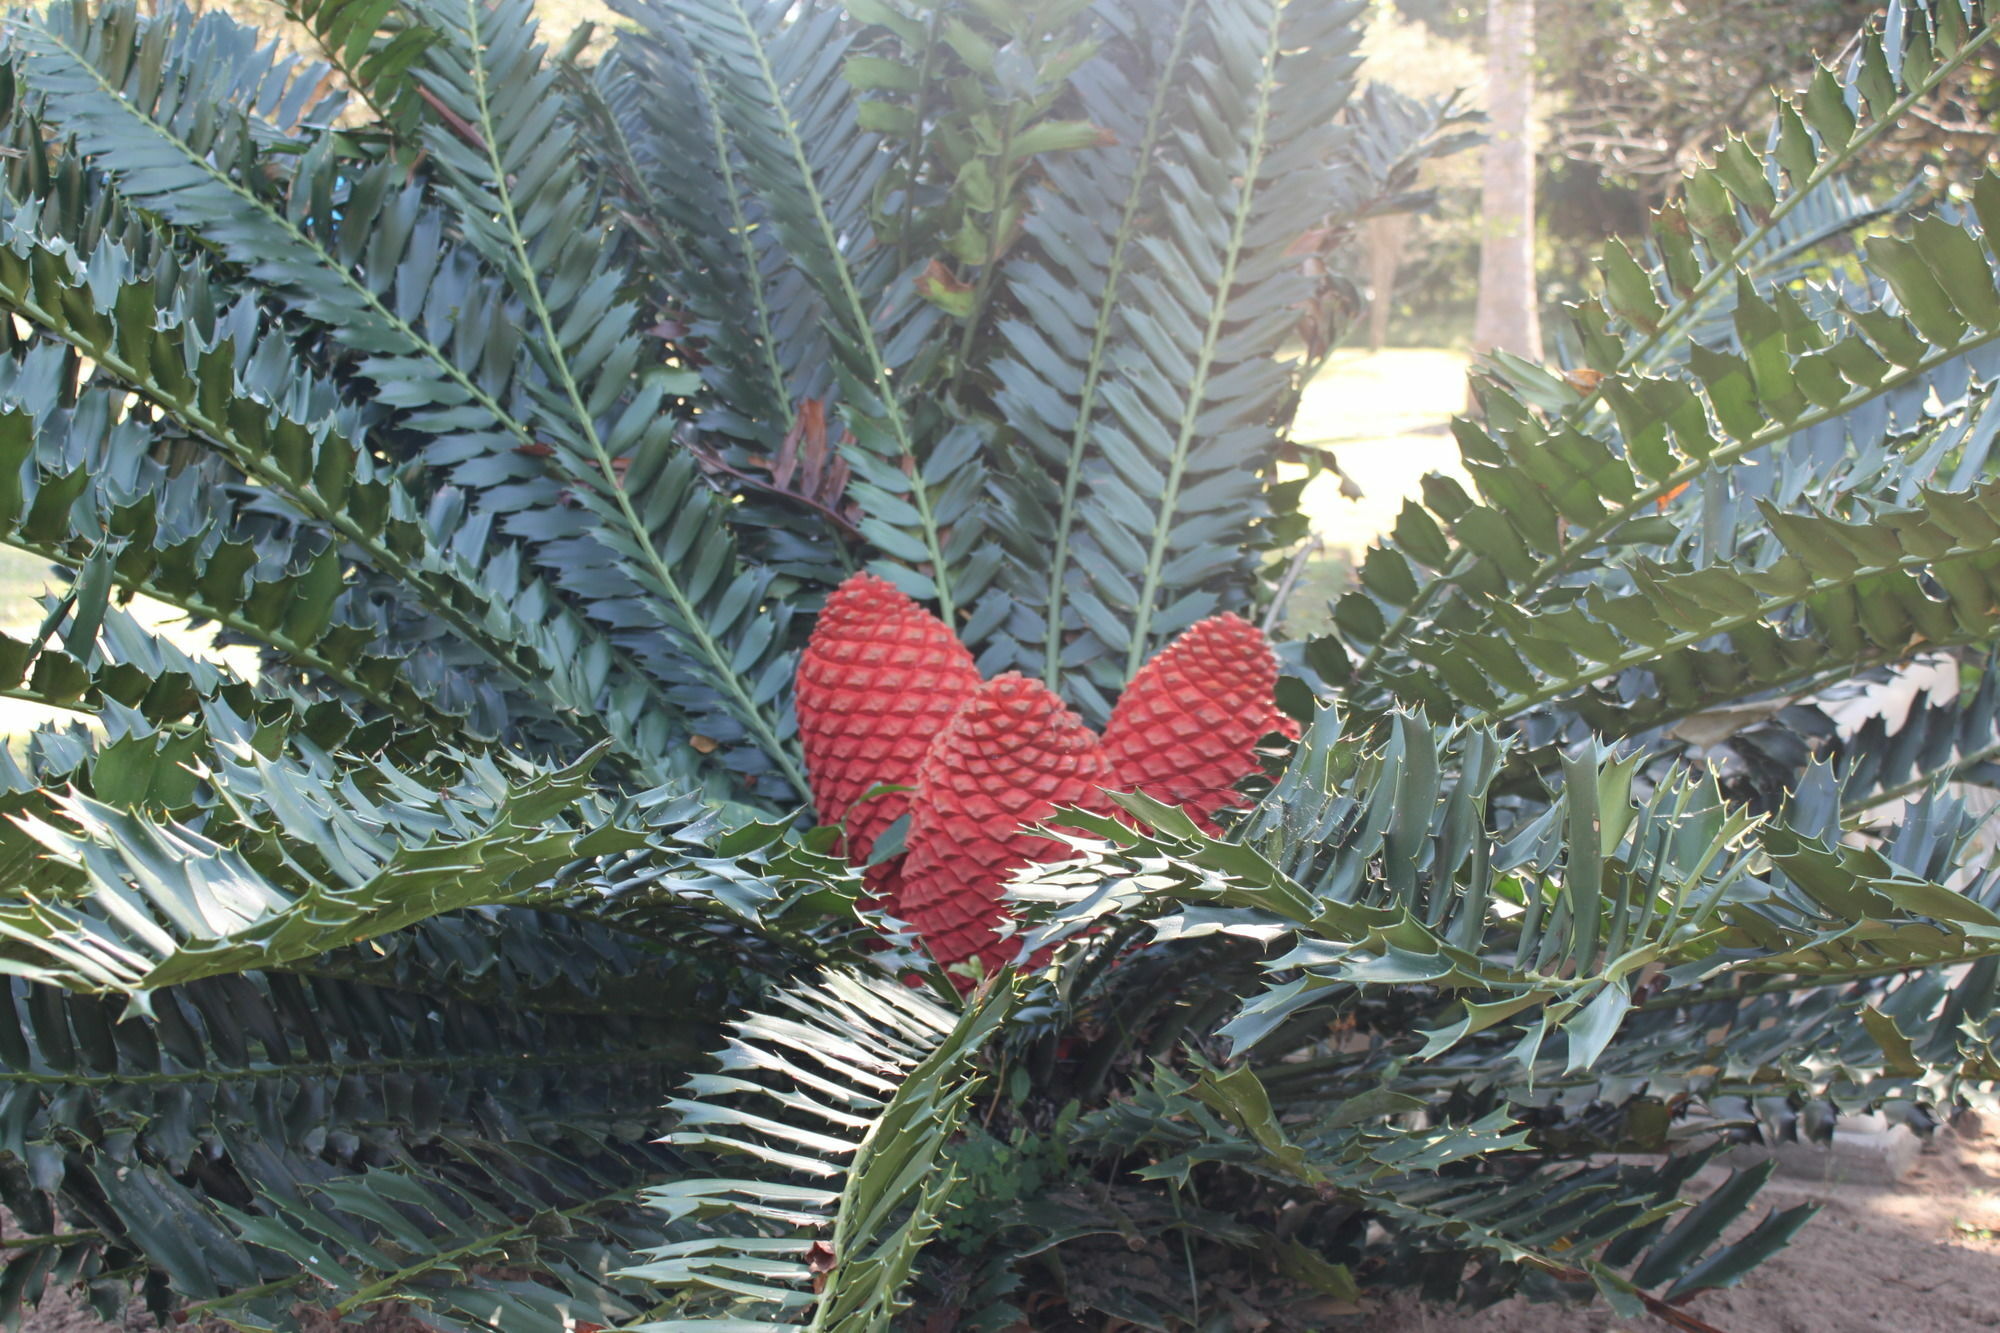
(1919, 1257)
(1384, 418)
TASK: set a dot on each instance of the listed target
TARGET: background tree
(1628, 97)
(1508, 315)
(1411, 259)
(1649, 87)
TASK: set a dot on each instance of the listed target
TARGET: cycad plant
(522, 407)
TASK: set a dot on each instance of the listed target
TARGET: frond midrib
(416, 340)
(718, 662)
(1192, 407)
(860, 327)
(1086, 411)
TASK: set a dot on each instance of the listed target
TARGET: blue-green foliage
(516, 408)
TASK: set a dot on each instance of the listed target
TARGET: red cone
(1186, 729)
(1011, 756)
(879, 679)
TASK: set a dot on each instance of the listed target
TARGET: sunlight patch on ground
(23, 580)
(1383, 416)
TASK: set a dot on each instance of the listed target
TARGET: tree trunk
(1508, 316)
(1383, 239)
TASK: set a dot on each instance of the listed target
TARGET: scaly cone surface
(1185, 731)
(879, 679)
(1012, 755)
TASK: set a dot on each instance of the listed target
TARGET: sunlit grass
(1383, 418)
(24, 582)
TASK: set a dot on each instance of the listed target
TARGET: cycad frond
(858, 1069)
(165, 903)
(1615, 443)
(1376, 862)
(791, 124)
(524, 204)
(1156, 441)
(272, 1138)
(231, 385)
(374, 46)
